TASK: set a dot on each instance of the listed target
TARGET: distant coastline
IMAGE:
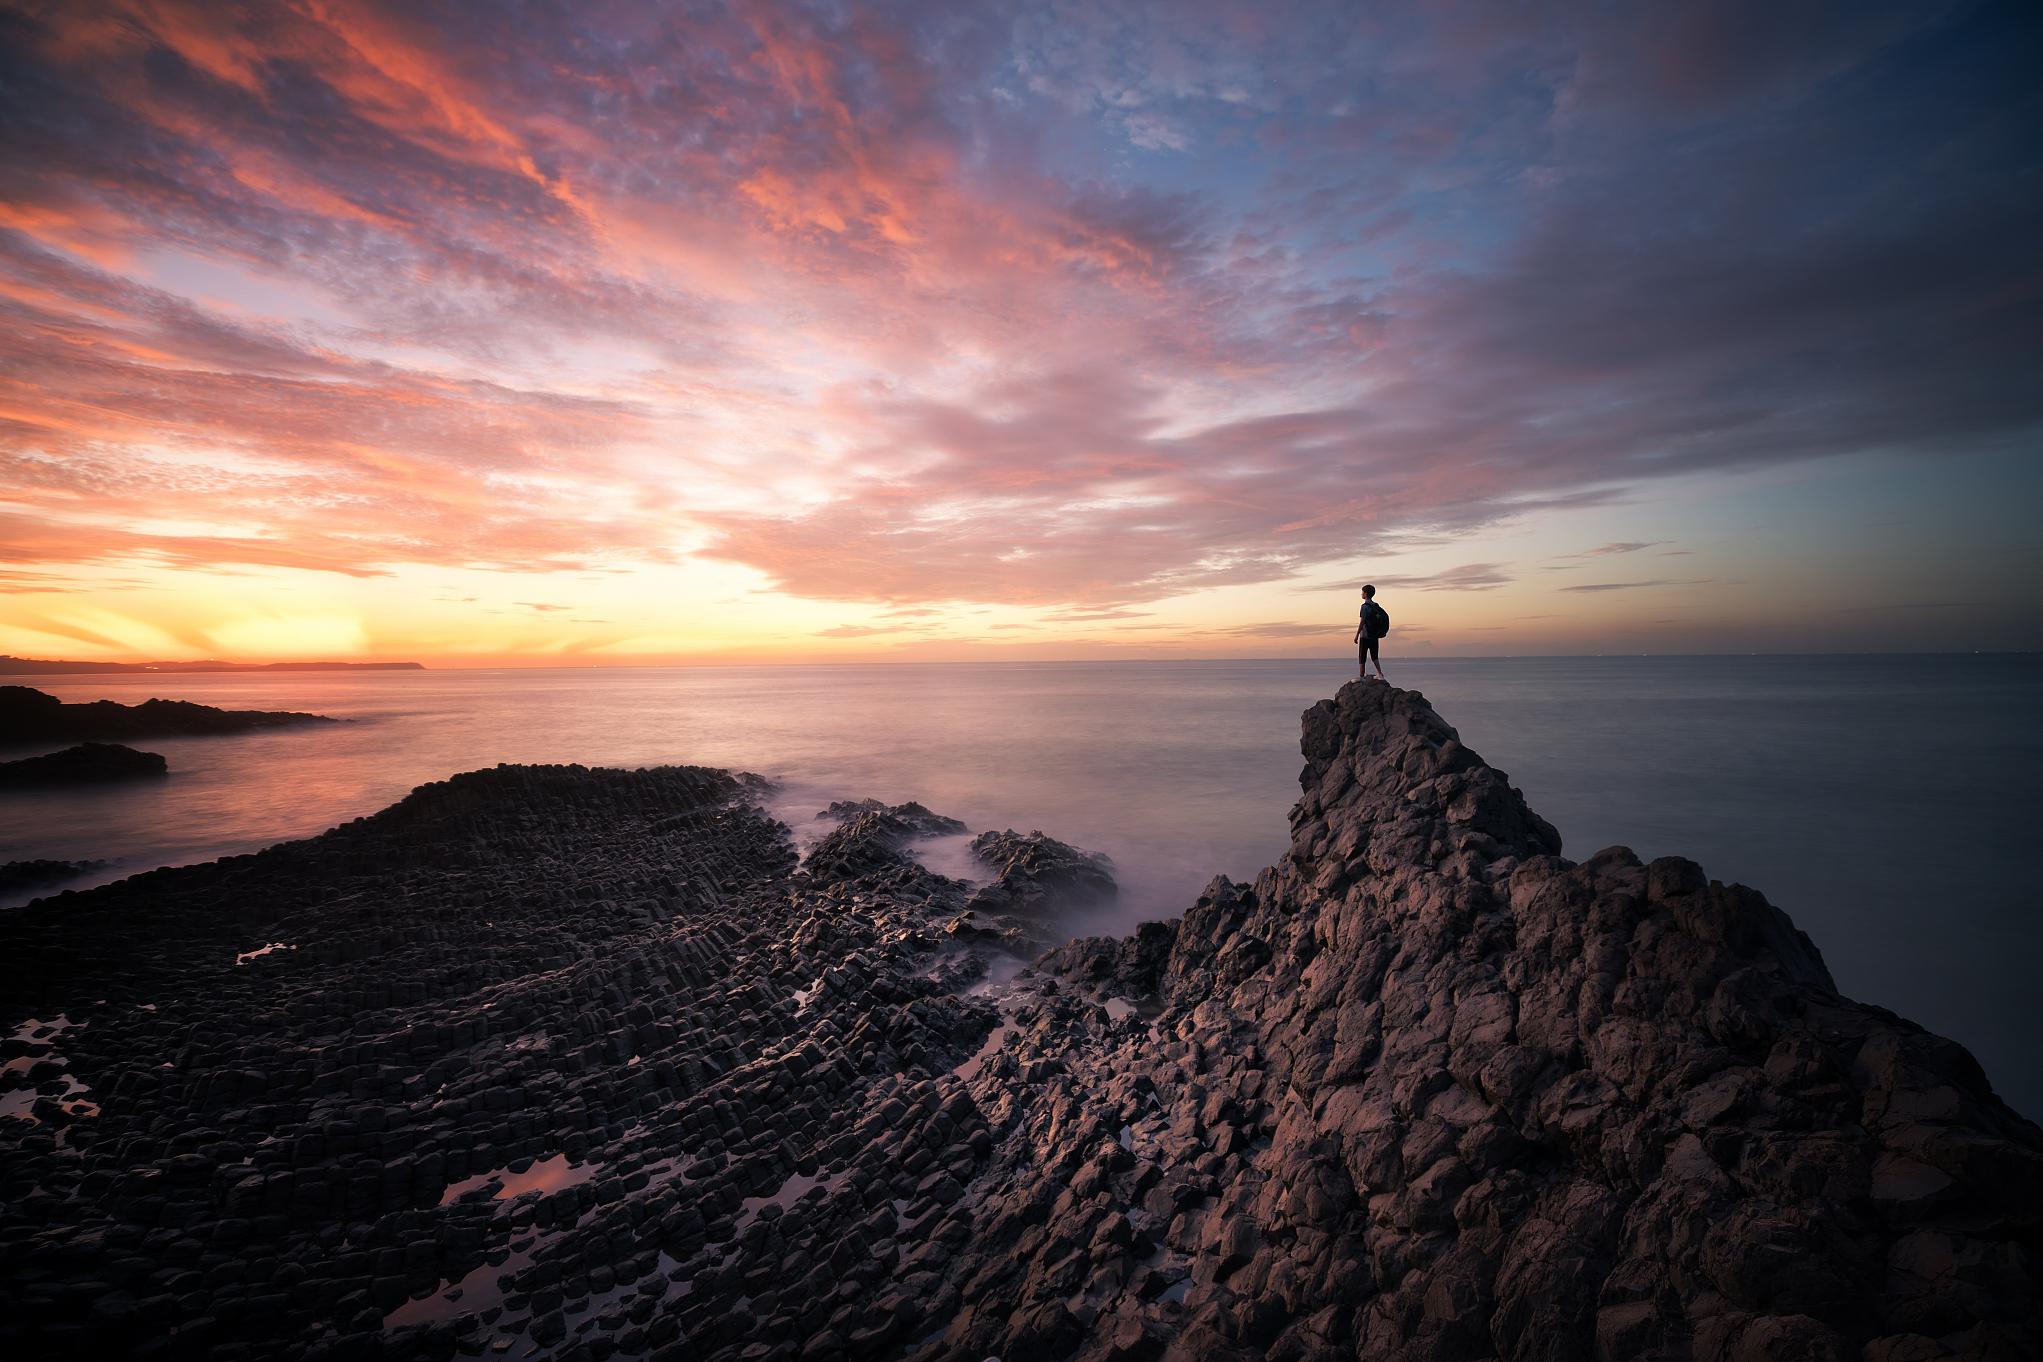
(29, 666)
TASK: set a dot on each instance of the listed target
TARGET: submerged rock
(29, 715)
(560, 1063)
(87, 763)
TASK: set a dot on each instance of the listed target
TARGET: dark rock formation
(16, 875)
(29, 715)
(867, 841)
(87, 763)
(549, 1062)
(1034, 872)
(1426, 1090)
(920, 821)
(1035, 877)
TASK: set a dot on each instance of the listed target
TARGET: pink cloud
(943, 289)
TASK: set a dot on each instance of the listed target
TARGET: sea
(1890, 804)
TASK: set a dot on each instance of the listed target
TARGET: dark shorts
(1367, 650)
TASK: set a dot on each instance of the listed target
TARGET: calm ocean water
(1890, 804)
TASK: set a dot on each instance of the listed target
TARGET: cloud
(1635, 586)
(1281, 629)
(1066, 616)
(1605, 550)
(857, 630)
(1467, 577)
(922, 305)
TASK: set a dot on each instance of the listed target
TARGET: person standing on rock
(1369, 632)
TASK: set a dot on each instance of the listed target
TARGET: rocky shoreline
(569, 1063)
(28, 715)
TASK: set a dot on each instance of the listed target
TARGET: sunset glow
(627, 333)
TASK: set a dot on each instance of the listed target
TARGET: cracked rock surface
(553, 1062)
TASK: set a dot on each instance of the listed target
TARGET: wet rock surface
(29, 715)
(87, 763)
(553, 1062)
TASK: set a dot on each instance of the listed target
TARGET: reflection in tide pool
(546, 1175)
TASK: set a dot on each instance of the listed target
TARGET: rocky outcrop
(550, 1062)
(1427, 1090)
(872, 838)
(87, 763)
(18, 875)
(1037, 883)
(1035, 872)
(28, 715)
(919, 821)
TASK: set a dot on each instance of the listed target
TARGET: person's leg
(1369, 651)
(1376, 652)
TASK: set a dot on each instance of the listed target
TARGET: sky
(604, 332)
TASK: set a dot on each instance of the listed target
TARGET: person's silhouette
(1369, 632)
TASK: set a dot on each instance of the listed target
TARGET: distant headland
(18, 666)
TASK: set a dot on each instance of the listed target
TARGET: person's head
(1368, 593)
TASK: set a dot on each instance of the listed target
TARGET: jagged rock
(28, 715)
(1033, 872)
(920, 821)
(871, 838)
(552, 1062)
(87, 763)
(1501, 1104)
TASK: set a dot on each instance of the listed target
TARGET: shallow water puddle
(546, 1175)
(18, 1102)
(591, 1308)
(474, 1293)
(969, 1070)
(482, 1288)
(793, 1189)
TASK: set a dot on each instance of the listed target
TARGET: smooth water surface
(1887, 803)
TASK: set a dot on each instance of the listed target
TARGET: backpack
(1378, 619)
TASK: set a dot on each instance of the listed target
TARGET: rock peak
(1396, 779)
